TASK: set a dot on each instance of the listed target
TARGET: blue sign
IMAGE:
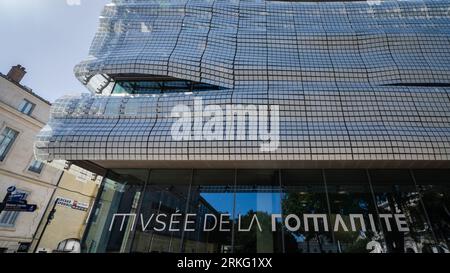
(16, 202)
(17, 198)
(20, 207)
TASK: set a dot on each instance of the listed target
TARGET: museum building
(263, 119)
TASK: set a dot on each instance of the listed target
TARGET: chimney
(16, 73)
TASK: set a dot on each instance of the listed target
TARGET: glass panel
(257, 198)
(395, 193)
(165, 196)
(22, 105)
(434, 189)
(115, 213)
(6, 140)
(7, 218)
(354, 218)
(212, 200)
(36, 166)
(304, 193)
(26, 107)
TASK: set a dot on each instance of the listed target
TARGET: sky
(48, 38)
(268, 202)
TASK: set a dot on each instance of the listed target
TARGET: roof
(25, 88)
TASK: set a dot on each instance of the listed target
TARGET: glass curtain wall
(258, 197)
(271, 211)
(304, 192)
(119, 193)
(434, 192)
(212, 199)
(165, 194)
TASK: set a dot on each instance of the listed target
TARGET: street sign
(20, 207)
(17, 198)
(16, 201)
(20, 195)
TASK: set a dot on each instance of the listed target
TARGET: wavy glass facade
(358, 85)
(354, 82)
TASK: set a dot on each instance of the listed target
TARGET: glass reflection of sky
(222, 202)
(363, 204)
(265, 202)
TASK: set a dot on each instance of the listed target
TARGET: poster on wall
(73, 204)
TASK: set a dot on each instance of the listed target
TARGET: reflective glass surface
(354, 80)
(271, 211)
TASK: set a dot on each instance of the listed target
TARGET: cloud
(73, 2)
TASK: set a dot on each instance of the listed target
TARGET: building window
(160, 87)
(26, 107)
(6, 140)
(69, 246)
(8, 218)
(36, 166)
